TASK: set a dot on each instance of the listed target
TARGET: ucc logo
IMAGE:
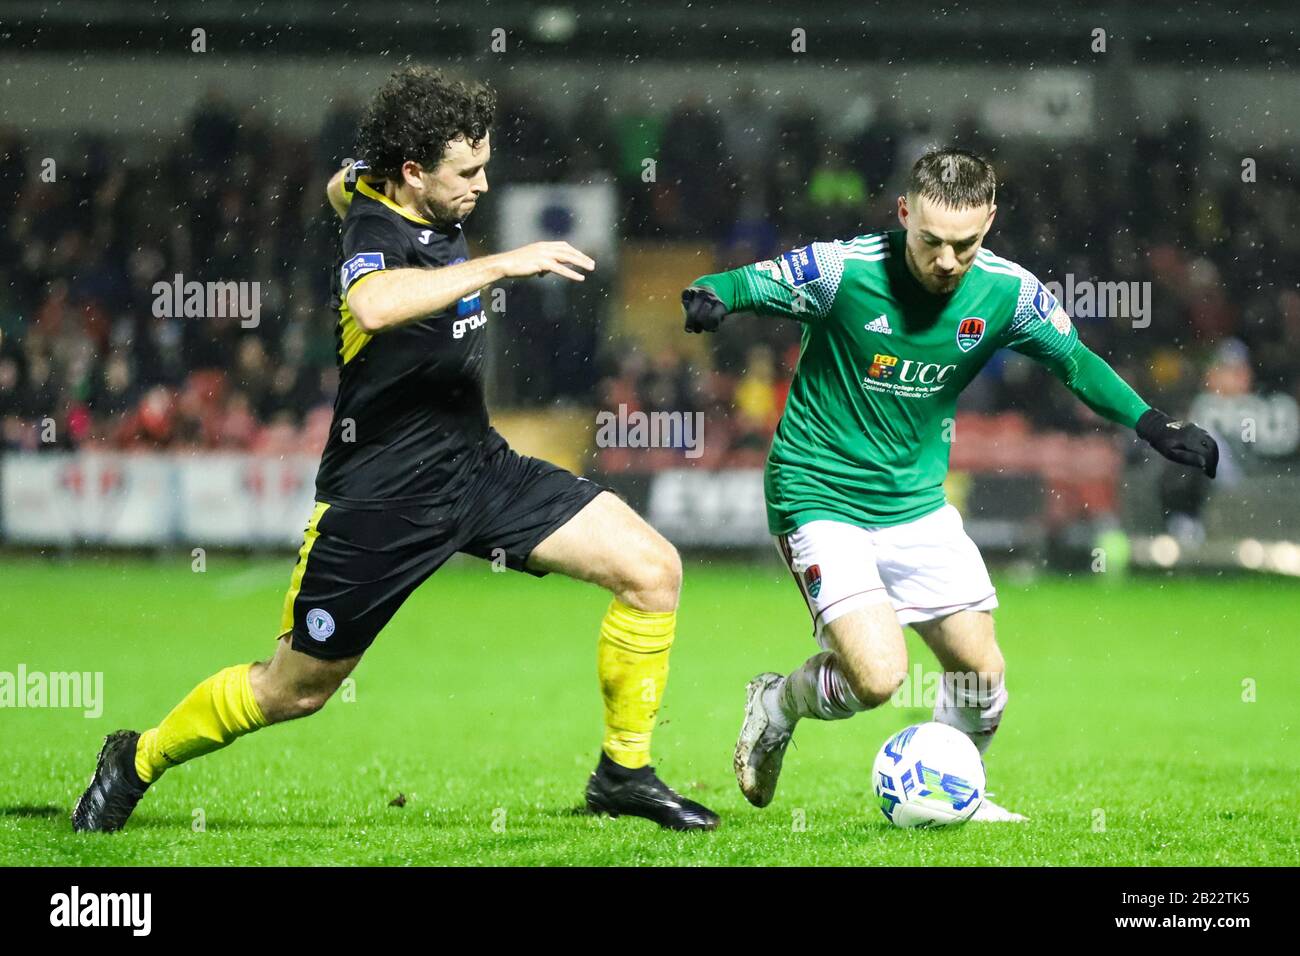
(924, 373)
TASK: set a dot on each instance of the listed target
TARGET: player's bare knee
(875, 684)
(991, 667)
(668, 571)
(652, 580)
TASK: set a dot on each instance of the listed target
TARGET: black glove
(704, 310)
(1182, 442)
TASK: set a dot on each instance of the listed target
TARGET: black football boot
(115, 788)
(619, 791)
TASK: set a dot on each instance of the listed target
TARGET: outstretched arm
(1052, 340)
(383, 295)
(1095, 383)
(800, 284)
(383, 299)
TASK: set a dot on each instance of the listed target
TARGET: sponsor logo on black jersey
(469, 310)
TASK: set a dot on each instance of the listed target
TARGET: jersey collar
(370, 192)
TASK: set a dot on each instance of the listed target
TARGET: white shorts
(927, 568)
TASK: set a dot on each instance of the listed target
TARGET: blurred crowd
(85, 235)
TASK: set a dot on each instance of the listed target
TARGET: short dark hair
(955, 178)
(416, 113)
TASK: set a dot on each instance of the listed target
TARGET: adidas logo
(880, 325)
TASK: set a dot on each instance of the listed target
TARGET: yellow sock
(632, 660)
(214, 714)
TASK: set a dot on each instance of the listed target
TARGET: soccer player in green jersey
(895, 325)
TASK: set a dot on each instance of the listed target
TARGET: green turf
(479, 704)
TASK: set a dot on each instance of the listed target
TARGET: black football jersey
(410, 422)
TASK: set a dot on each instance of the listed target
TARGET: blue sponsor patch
(1044, 302)
(800, 266)
(470, 305)
(358, 266)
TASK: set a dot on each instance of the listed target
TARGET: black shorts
(358, 564)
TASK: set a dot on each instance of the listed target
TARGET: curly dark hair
(416, 113)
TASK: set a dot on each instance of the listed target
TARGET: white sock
(975, 711)
(817, 689)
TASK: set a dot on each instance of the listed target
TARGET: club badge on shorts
(320, 624)
(812, 580)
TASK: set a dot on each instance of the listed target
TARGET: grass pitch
(1131, 738)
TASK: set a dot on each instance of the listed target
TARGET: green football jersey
(870, 417)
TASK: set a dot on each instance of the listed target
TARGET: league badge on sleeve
(1044, 302)
(799, 266)
(969, 332)
(358, 266)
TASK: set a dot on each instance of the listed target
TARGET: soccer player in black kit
(414, 473)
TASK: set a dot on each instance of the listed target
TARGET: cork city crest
(969, 333)
(812, 579)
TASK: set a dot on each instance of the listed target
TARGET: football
(928, 775)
